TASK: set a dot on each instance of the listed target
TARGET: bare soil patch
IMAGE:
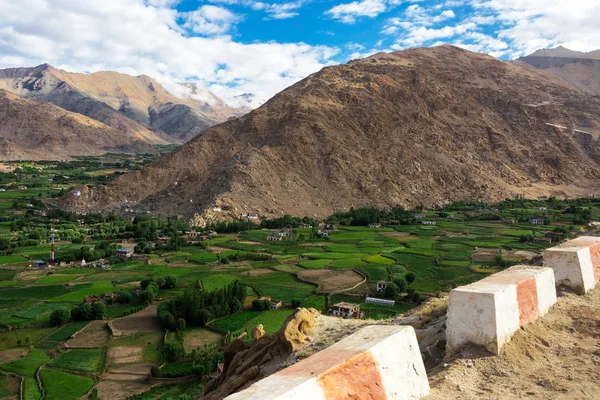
(401, 236)
(260, 271)
(556, 357)
(217, 249)
(94, 335)
(198, 338)
(125, 354)
(9, 355)
(483, 254)
(140, 322)
(330, 280)
(249, 242)
(120, 390)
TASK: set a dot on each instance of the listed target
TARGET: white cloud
(210, 20)
(273, 10)
(532, 24)
(133, 37)
(348, 12)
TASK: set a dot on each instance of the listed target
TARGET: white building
(381, 286)
(375, 225)
(428, 223)
(536, 221)
(380, 302)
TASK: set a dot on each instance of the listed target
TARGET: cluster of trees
(103, 249)
(197, 308)
(370, 215)
(241, 256)
(287, 221)
(88, 312)
(151, 287)
(261, 305)
(401, 285)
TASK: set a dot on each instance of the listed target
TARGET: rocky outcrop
(247, 363)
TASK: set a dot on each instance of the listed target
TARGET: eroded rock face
(244, 364)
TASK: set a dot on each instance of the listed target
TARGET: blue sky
(232, 47)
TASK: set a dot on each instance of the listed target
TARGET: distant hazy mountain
(415, 127)
(43, 131)
(581, 70)
(124, 102)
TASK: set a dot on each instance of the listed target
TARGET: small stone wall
(576, 263)
(490, 311)
(381, 361)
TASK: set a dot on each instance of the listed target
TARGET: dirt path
(556, 357)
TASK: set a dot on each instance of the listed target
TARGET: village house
(380, 302)
(428, 223)
(375, 225)
(305, 226)
(275, 304)
(330, 227)
(274, 238)
(190, 236)
(346, 310)
(124, 252)
(537, 221)
(217, 209)
(381, 286)
(509, 221)
(542, 208)
(138, 257)
(419, 216)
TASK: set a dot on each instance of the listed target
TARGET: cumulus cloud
(349, 12)
(210, 20)
(137, 37)
(532, 24)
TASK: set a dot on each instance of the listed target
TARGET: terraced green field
(81, 360)
(64, 386)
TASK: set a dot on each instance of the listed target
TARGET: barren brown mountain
(34, 131)
(421, 126)
(128, 103)
(582, 70)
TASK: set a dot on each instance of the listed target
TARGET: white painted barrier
(576, 263)
(490, 311)
(377, 362)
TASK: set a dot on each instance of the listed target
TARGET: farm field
(306, 268)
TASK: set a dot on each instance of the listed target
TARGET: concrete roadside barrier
(377, 362)
(490, 311)
(576, 263)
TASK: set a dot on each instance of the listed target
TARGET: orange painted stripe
(356, 379)
(527, 298)
(595, 254)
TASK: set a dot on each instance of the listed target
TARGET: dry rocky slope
(133, 104)
(582, 70)
(43, 131)
(416, 127)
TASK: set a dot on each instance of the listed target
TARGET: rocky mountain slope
(416, 127)
(135, 104)
(43, 131)
(582, 70)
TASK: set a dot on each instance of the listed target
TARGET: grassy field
(31, 391)
(64, 386)
(81, 360)
(28, 365)
(235, 322)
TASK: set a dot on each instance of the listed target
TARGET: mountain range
(416, 127)
(137, 106)
(581, 70)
